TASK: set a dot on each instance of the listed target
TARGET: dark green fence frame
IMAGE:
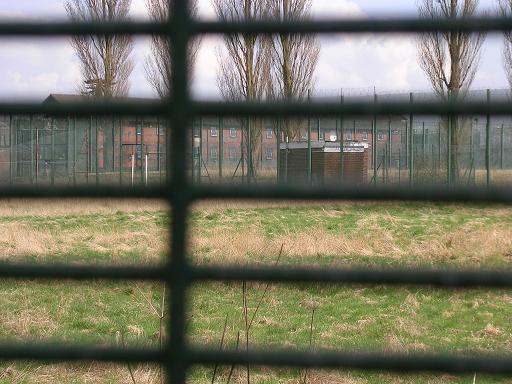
(177, 356)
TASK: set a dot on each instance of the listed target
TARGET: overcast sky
(357, 62)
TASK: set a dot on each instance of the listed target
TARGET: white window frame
(214, 132)
(232, 132)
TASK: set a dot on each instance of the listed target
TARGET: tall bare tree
(158, 63)
(294, 58)
(244, 72)
(450, 60)
(505, 9)
(104, 60)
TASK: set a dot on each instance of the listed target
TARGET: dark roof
(65, 99)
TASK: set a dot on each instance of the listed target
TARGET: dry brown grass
(250, 244)
(59, 207)
(20, 239)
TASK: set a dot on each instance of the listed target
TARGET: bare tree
(104, 59)
(158, 63)
(244, 72)
(450, 60)
(294, 59)
(505, 9)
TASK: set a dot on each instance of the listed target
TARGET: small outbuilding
(329, 164)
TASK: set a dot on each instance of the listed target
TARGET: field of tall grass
(301, 316)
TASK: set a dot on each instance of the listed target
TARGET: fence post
(141, 150)
(278, 145)
(374, 142)
(342, 140)
(221, 146)
(11, 149)
(310, 157)
(120, 151)
(501, 146)
(74, 150)
(32, 149)
(411, 143)
(200, 150)
(390, 148)
(488, 141)
(439, 146)
(52, 168)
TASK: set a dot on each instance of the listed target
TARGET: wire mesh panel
(177, 356)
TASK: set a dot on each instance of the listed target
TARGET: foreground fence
(178, 356)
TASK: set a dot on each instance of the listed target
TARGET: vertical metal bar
(74, 150)
(52, 167)
(89, 144)
(423, 143)
(96, 150)
(120, 130)
(342, 141)
(501, 145)
(411, 143)
(142, 151)
(449, 151)
(310, 157)
(388, 164)
(200, 151)
(177, 268)
(221, 146)
(37, 153)
(488, 141)
(278, 141)
(250, 160)
(439, 146)
(11, 149)
(374, 143)
(32, 149)
(113, 147)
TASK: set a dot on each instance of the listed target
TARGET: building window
(269, 133)
(348, 135)
(214, 153)
(4, 136)
(232, 154)
(214, 132)
(269, 153)
(365, 136)
(232, 132)
(380, 136)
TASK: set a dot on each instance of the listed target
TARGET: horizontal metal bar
(351, 108)
(81, 272)
(155, 108)
(354, 192)
(66, 28)
(99, 192)
(370, 361)
(369, 25)
(287, 274)
(395, 25)
(57, 352)
(86, 108)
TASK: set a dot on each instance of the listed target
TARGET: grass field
(379, 318)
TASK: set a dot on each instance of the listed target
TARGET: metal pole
(439, 146)
(449, 151)
(342, 141)
(388, 164)
(221, 146)
(488, 142)
(374, 143)
(11, 149)
(423, 142)
(141, 149)
(278, 141)
(74, 150)
(200, 151)
(120, 151)
(250, 169)
(133, 164)
(501, 145)
(310, 157)
(37, 154)
(411, 143)
(96, 149)
(146, 169)
(52, 168)
(32, 149)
